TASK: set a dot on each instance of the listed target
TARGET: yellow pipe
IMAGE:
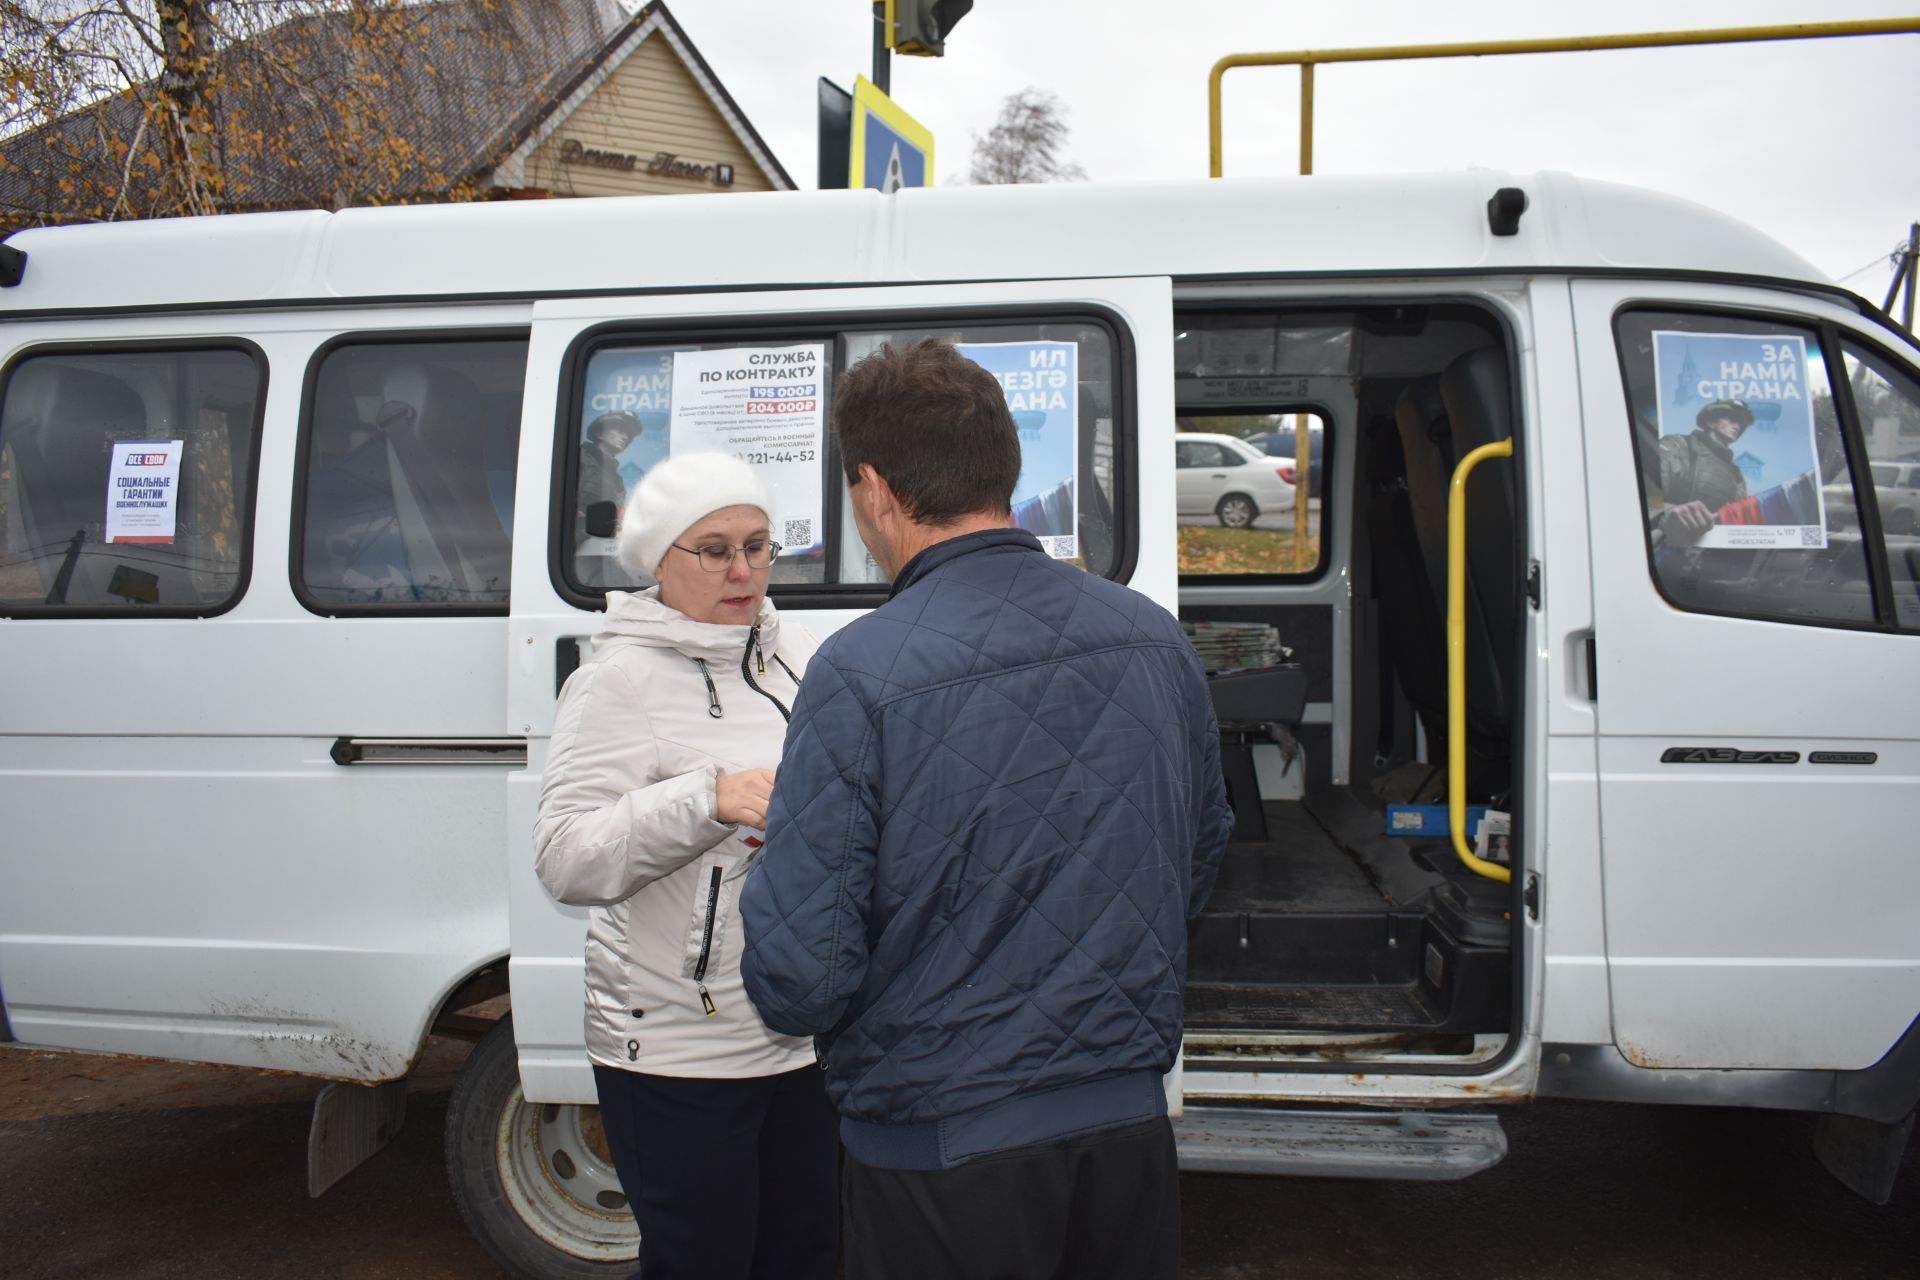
(1306, 118)
(1306, 59)
(1457, 659)
(1303, 490)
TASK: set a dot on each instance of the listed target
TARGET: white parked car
(1896, 486)
(1224, 476)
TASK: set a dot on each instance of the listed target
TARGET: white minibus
(1590, 776)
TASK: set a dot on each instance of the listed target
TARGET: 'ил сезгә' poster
(1041, 381)
(767, 407)
(1777, 454)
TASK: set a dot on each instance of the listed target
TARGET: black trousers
(728, 1179)
(1104, 1207)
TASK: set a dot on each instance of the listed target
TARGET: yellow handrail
(1307, 59)
(1457, 659)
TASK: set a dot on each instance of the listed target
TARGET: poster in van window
(768, 407)
(1737, 437)
(143, 486)
(1041, 381)
(623, 433)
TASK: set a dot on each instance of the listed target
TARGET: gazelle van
(303, 524)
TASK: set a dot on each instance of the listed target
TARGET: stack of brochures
(1225, 646)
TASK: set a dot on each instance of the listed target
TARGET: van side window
(1751, 508)
(406, 496)
(768, 400)
(126, 480)
(1887, 398)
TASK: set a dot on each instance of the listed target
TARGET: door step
(1295, 1006)
(1407, 1146)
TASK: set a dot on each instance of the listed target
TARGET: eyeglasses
(717, 557)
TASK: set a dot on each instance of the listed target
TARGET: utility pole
(1903, 278)
(880, 54)
(1912, 267)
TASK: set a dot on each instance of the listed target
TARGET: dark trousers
(1104, 1207)
(728, 1179)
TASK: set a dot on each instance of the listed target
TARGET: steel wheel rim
(555, 1180)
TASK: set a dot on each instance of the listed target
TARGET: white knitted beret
(678, 492)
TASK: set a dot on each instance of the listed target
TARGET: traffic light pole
(880, 52)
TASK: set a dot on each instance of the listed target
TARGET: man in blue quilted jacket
(999, 802)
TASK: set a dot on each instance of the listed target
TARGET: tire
(534, 1182)
(1236, 511)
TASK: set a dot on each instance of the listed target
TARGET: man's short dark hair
(935, 425)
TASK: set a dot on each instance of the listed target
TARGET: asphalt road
(104, 1172)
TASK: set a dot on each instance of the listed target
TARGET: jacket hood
(638, 617)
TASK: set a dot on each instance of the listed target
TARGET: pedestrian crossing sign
(890, 148)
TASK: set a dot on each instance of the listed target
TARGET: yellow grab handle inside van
(1457, 659)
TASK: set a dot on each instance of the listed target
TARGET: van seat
(1438, 420)
(1479, 410)
(1412, 629)
(1426, 447)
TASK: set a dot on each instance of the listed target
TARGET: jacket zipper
(706, 943)
(752, 650)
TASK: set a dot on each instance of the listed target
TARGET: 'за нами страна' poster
(1747, 395)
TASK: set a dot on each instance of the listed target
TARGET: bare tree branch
(126, 170)
(1026, 144)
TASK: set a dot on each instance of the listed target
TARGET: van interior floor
(1325, 923)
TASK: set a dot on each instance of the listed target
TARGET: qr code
(1810, 536)
(799, 533)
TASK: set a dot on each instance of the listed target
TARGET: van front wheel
(535, 1182)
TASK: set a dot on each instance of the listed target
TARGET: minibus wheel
(534, 1182)
(1236, 511)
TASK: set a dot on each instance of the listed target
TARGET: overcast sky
(1814, 142)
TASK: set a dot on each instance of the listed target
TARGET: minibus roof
(1275, 227)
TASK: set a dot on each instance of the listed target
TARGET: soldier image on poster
(1698, 475)
(605, 438)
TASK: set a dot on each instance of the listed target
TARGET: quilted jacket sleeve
(608, 823)
(805, 906)
(1215, 813)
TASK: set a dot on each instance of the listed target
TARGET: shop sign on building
(663, 164)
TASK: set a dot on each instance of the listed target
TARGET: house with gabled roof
(463, 100)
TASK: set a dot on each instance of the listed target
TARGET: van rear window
(126, 480)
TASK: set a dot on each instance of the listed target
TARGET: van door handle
(566, 661)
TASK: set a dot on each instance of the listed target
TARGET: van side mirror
(601, 519)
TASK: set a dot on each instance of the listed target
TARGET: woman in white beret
(656, 788)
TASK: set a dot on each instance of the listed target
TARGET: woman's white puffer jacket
(644, 728)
